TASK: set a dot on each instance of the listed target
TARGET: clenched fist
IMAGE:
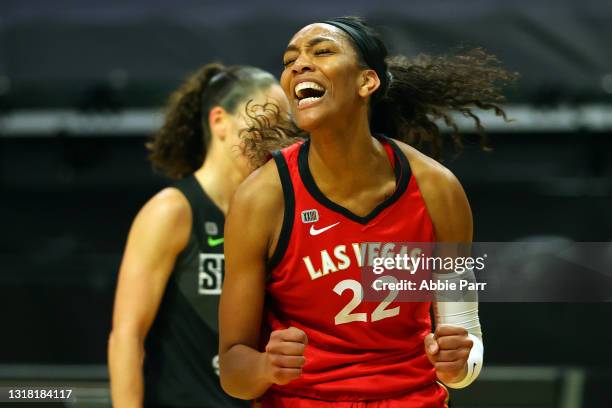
(284, 355)
(448, 349)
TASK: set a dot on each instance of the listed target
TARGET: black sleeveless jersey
(181, 367)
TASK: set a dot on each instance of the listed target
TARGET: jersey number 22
(381, 311)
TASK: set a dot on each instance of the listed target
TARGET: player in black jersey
(164, 343)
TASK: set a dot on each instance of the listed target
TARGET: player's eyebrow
(311, 43)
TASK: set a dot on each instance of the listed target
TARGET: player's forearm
(243, 372)
(125, 357)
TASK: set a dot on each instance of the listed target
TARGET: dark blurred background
(81, 86)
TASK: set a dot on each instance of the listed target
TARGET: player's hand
(285, 355)
(448, 350)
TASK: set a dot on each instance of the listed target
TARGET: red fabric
(359, 360)
(433, 396)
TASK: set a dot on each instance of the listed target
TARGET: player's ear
(368, 83)
(217, 122)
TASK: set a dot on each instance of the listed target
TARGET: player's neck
(220, 179)
(349, 154)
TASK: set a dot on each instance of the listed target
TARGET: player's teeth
(307, 100)
(304, 85)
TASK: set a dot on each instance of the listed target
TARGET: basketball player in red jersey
(294, 228)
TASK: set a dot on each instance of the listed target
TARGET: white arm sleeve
(464, 314)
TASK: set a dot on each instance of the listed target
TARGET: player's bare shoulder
(429, 172)
(256, 209)
(166, 215)
(168, 204)
(261, 191)
(443, 194)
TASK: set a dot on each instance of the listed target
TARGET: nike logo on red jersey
(314, 231)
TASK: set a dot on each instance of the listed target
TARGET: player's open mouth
(308, 93)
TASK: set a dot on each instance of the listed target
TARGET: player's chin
(310, 119)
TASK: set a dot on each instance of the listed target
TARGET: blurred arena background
(81, 84)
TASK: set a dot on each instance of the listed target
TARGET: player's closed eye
(320, 51)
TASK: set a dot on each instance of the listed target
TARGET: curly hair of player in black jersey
(179, 147)
(417, 93)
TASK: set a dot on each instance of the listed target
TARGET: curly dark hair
(417, 92)
(268, 130)
(428, 88)
(179, 147)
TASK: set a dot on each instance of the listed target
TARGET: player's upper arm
(158, 234)
(254, 215)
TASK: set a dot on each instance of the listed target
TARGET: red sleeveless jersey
(357, 350)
